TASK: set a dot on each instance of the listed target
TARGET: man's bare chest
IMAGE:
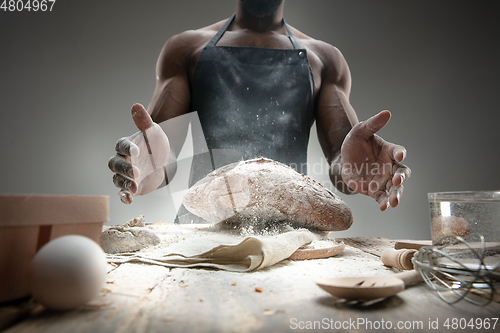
(269, 41)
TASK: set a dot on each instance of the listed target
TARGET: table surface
(282, 298)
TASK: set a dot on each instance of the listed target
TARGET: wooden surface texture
(283, 298)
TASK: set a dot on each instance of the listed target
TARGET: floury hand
(371, 165)
(140, 160)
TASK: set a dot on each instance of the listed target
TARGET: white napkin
(226, 251)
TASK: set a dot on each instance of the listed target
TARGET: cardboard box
(27, 222)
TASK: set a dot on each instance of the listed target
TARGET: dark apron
(252, 102)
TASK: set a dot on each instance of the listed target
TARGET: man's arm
(335, 116)
(171, 99)
(360, 160)
(172, 95)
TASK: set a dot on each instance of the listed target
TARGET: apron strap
(218, 35)
(295, 42)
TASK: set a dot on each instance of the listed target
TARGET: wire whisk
(459, 269)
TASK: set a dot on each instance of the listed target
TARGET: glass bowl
(465, 214)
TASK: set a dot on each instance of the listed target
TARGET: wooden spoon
(368, 287)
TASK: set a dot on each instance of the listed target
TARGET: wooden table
(283, 298)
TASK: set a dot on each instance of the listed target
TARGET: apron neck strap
(295, 42)
(218, 35)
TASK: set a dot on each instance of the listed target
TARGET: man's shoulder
(182, 50)
(195, 38)
(328, 55)
(325, 51)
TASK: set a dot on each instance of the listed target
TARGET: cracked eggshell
(67, 272)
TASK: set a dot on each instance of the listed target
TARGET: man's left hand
(371, 165)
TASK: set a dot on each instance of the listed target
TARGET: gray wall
(69, 77)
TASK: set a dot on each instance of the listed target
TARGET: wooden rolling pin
(400, 259)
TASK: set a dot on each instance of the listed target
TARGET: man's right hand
(140, 160)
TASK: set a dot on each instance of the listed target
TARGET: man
(257, 86)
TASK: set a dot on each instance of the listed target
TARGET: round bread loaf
(263, 190)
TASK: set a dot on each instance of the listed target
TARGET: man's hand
(140, 159)
(371, 165)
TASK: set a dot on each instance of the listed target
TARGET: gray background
(69, 77)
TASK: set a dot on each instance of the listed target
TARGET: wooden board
(374, 246)
(411, 244)
(417, 244)
(318, 249)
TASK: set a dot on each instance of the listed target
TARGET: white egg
(67, 272)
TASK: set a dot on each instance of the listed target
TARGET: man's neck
(244, 19)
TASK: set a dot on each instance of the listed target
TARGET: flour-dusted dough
(264, 190)
(128, 237)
